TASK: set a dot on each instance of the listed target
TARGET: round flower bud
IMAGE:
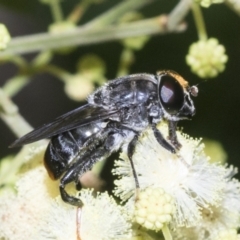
(78, 87)
(207, 58)
(92, 65)
(60, 27)
(4, 37)
(154, 208)
(207, 3)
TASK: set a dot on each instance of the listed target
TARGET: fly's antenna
(193, 90)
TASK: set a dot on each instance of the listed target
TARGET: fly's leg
(172, 126)
(130, 149)
(161, 140)
(131, 146)
(85, 163)
(130, 152)
(69, 177)
(82, 165)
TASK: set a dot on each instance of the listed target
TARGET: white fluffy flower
(218, 222)
(101, 218)
(188, 176)
(228, 235)
(37, 211)
(29, 213)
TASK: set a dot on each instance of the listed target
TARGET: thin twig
(177, 15)
(199, 21)
(56, 10)
(82, 36)
(114, 13)
(15, 84)
(10, 115)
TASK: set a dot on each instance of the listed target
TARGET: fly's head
(174, 95)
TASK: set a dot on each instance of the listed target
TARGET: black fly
(113, 118)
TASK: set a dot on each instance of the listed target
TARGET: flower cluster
(207, 58)
(38, 212)
(204, 194)
(153, 208)
(182, 195)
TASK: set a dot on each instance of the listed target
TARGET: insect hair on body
(114, 117)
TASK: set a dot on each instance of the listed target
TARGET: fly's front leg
(130, 152)
(131, 147)
(172, 127)
(162, 141)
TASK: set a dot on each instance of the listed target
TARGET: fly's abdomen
(63, 149)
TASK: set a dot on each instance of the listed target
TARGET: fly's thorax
(125, 92)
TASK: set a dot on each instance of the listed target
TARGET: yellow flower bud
(207, 58)
(78, 87)
(154, 208)
(4, 37)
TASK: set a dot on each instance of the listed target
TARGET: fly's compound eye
(171, 94)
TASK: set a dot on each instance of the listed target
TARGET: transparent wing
(73, 119)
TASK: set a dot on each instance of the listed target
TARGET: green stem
(199, 21)
(82, 36)
(43, 58)
(56, 71)
(17, 60)
(77, 13)
(166, 233)
(56, 10)
(126, 60)
(10, 115)
(179, 12)
(15, 84)
(114, 13)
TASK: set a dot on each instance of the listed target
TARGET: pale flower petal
(101, 218)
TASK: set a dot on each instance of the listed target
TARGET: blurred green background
(218, 103)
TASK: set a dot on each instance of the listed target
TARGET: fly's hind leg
(73, 174)
(84, 163)
(161, 140)
(69, 177)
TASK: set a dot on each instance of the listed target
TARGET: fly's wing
(73, 119)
